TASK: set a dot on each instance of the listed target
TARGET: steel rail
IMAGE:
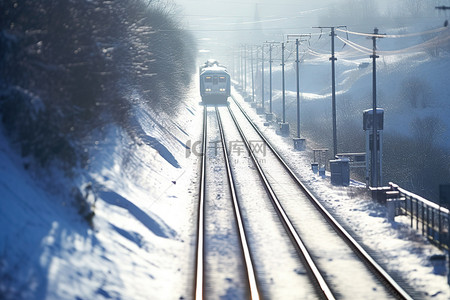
(199, 284)
(254, 293)
(356, 247)
(313, 270)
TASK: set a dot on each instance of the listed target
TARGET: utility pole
(235, 60)
(262, 76)
(253, 76)
(333, 86)
(270, 115)
(283, 83)
(297, 61)
(374, 157)
(242, 67)
(284, 127)
(245, 70)
(270, 77)
(256, 72)
(237, 64)
(333, 92)
(241, 72)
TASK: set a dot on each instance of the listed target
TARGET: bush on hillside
(416, 92)
(65, 67)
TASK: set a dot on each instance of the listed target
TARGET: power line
(231, 30)
(429, 43)
(436, 30)
(355, 46)
(363, 50)
(351, 53)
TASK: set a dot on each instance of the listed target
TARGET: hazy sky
(220, 25)
(240, 15)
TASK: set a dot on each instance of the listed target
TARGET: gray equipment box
(340, 172)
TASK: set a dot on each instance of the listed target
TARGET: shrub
(66, 67)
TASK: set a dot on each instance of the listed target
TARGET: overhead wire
(355, 46)
(436, 30)
(317, 54)
(359, 51)
(290, 52)
(422, 46)
(318, 51)
(431, 43)
(348, 54)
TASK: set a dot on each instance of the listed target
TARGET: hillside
(412, 87)
(93, 105)
(99, 108)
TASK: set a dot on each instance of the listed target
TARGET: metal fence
(426, 216)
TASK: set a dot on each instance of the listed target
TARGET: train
(215, 83)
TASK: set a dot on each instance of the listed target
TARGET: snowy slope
(398, 64)
(140, 244)
(397, 247)
(408, 67)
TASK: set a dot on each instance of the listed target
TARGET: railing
(426, 216)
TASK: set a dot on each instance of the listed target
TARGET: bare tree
(416, 92)
(426, 131)
(428, 160)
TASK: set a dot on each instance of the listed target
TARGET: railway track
(286, 244)
(223, 257)
(387, 281)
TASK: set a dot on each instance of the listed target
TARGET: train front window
(208, 79)
(222, 79)
(215, 80)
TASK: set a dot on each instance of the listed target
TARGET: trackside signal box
(340, 172)
(368, 119)
(374, 167)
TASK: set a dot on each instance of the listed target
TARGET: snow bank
(140, 245)
(398, 248)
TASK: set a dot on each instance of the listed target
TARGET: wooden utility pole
(283, 82)
(297, 61)
(262, 76)
(270, 77)
(270, 72)
(375, 170)
(333, 85)
(253, 75)
(245, 70)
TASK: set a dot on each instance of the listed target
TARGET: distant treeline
(67, 68)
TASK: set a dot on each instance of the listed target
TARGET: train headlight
(207, 90)
(222, 90)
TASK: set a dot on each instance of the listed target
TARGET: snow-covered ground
(142, 242)
(143, 238)
(400, 67)
(401, 249)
